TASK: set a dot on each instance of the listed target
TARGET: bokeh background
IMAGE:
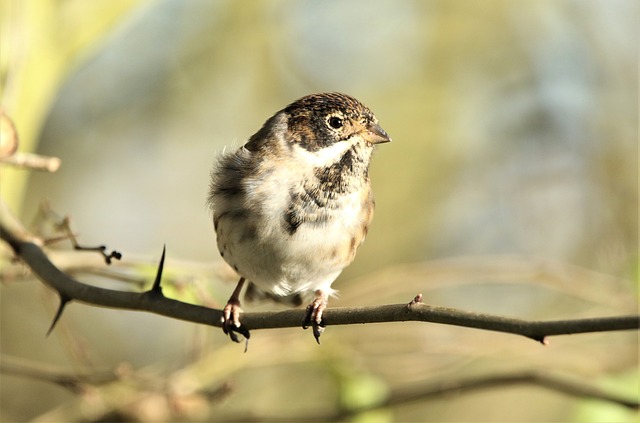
(511, 187)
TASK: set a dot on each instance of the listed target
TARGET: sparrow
(292, 205)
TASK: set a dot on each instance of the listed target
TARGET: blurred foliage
(594, 411)
(511, 187)
(42, 42)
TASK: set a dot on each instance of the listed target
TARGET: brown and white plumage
(291, 206)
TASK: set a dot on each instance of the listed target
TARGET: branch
(33, 162)
(9, 145)
(438, 390)
(30, 251)
(72, 380)
(575, 388)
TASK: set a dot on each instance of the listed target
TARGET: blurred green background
(511, 187)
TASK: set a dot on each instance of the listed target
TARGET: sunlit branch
(69, 289)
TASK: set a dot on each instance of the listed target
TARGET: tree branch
(438, 390)
(72, 380)
(29, 249)
(575, 388)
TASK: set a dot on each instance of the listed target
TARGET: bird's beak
(374, 134)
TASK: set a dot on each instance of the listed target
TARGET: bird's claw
(313, 317)
(231, 321)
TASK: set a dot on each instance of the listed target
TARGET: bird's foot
(314, 315)
(231, 320)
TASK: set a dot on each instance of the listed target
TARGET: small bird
(291, 206)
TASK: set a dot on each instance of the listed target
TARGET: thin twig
(33, 161)
(74, 381)
(65, 225)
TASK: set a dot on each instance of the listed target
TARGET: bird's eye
(335, 122)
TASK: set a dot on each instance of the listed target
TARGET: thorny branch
(29, 250)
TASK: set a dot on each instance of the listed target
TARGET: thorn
(63, 302)
(416, 300)
(156, 288)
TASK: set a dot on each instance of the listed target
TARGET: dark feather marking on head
(329, 102)
(307, 119)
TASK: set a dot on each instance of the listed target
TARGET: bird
(293, 204)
